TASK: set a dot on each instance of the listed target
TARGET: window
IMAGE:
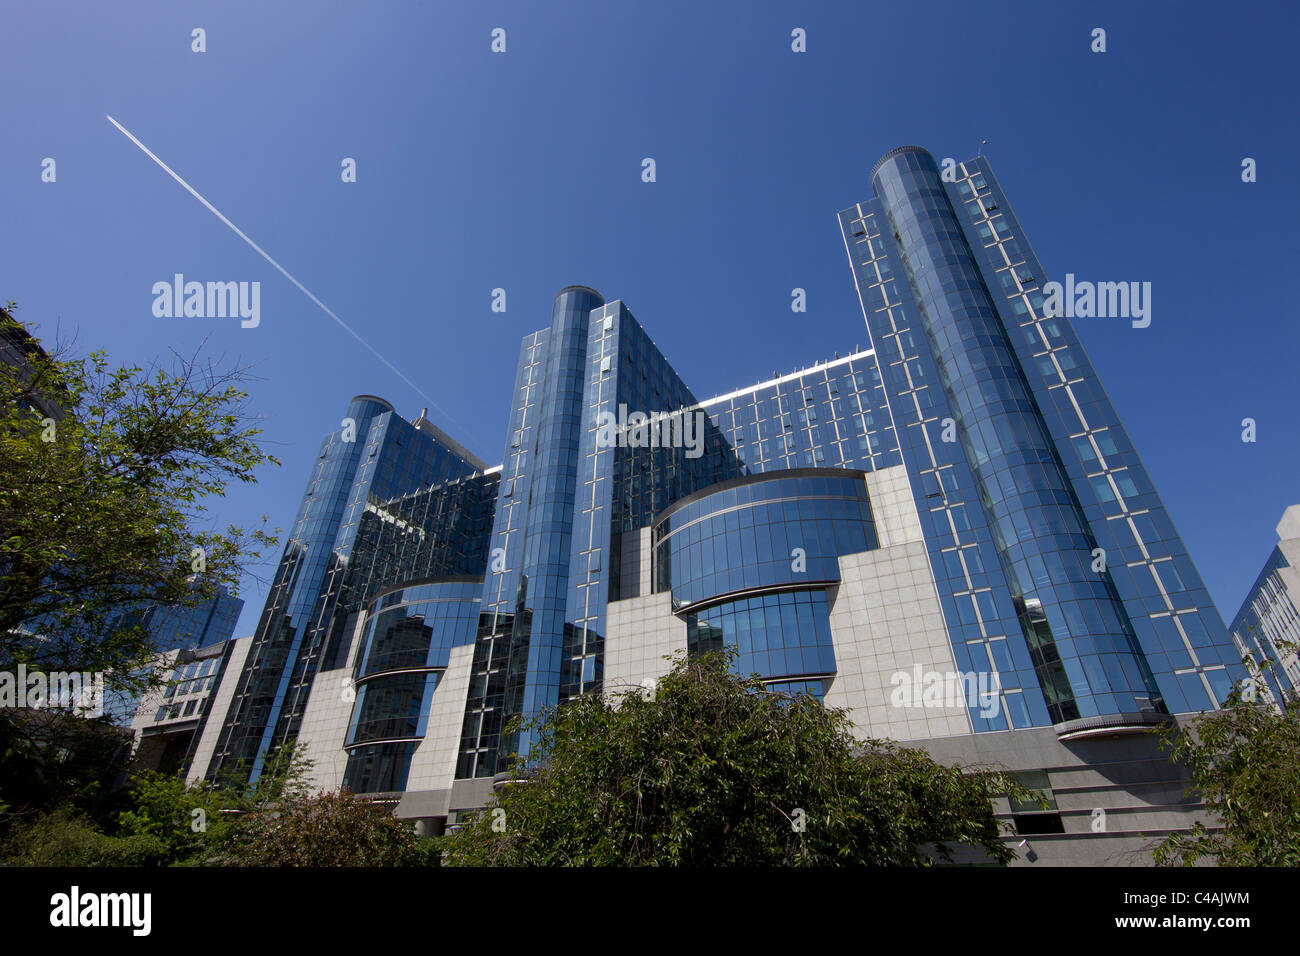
(1031, 817)
(1085, 451)
(930, 481)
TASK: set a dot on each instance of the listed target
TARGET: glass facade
(406, 646)
(784, 635)
(522, 634)
(1056, 559)
(833, 415)
(1267, 628)
(748, 561)
(1056, 566)
(185, 628)
(765, 531)
(348, 520)
(211, 622)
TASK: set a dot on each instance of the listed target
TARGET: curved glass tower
(373, 456)
(1042, 524)
(522, 631)
(567, 500)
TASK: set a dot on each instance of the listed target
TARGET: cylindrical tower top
(920, 151)
(579, 288)
(372, 398)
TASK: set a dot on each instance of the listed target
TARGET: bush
(63, 837)
(329, 829)
(1244, 760)
(715, 770)
(136, 850)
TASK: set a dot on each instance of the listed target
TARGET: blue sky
(522, 171)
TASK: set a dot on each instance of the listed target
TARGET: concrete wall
(641, 633)
(325, 719)
(428, 788)
(218, 707)
(886, 619)
(1140, 793)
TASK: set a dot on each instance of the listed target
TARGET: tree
(49, 757)
(277, 822)
(64, 837)
(103, 476)
(199, 823)
(1244, 760)
(716, 770)
(328, 829)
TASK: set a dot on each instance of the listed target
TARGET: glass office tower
(1267, 626)
(959, 501)
(211, 621)
(565, 499)
(324, 578)
(1055, 556)
(176, 628)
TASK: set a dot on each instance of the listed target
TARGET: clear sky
(522, 170)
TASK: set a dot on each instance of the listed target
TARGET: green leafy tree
(715, 770)
(197, 823)
(165, 823)
(103, 477)
(328, 829)
(49, 757)
(1244, 760)
(65, 837)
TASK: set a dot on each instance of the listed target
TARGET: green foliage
(189, 822)
(103, 474)
(329, 829)
(1245, 765)
(715, 770)
(63, 837)
(278, 822)
(48, 757)
(197, 823)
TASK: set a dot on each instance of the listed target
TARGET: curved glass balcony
(785, 638)
(407, 644)
(781, 529)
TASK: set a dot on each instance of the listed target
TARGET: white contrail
(283, 271)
